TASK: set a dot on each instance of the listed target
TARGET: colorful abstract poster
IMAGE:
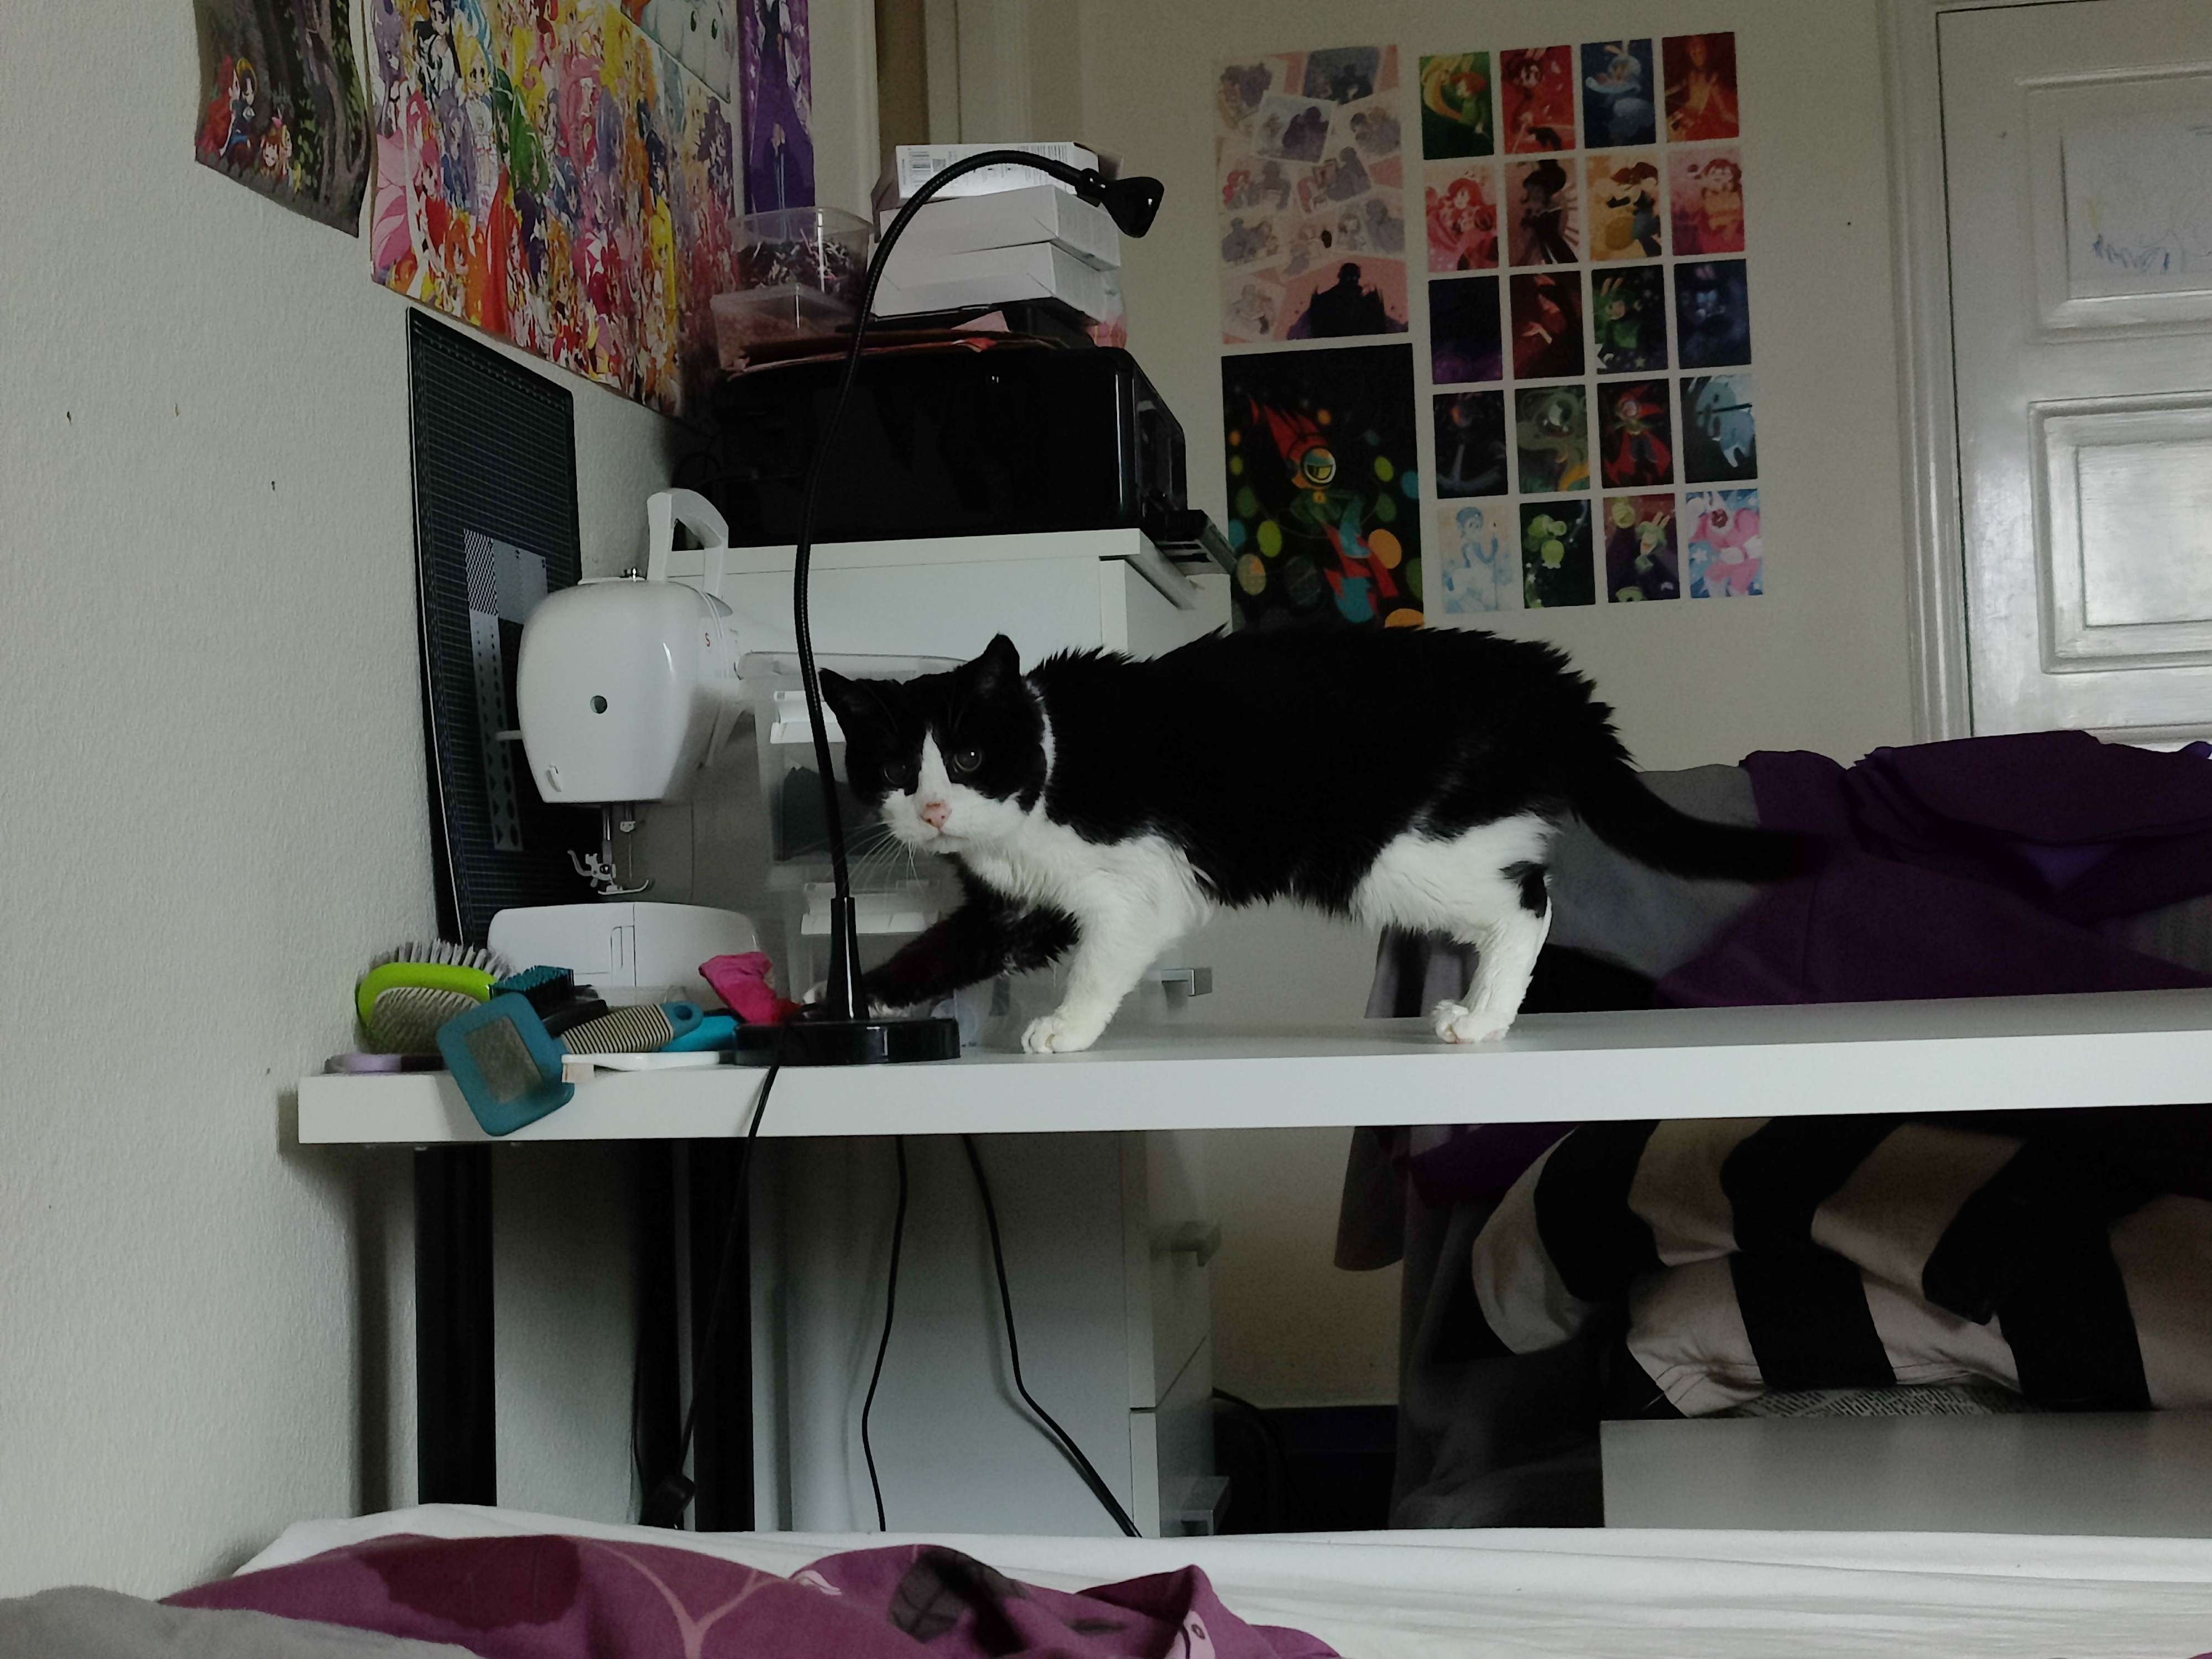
(280, 104)
(775, 77)
(546, 173)
(1308, 151)
(1324, 494)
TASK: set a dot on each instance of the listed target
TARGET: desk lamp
(842, 1030)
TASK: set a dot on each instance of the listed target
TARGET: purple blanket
(1974, 868)
(554, 1597)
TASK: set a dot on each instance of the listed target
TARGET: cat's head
(949, 760)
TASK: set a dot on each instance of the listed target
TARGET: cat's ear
(856, 705)
(999, 665)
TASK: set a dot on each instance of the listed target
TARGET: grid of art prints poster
(549, 174)
(280, 108)
(1324, 497)
(1589, 288)
(1309, 158)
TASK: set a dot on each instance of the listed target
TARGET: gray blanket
(81, 1623)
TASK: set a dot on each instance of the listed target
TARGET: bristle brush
(408, 993)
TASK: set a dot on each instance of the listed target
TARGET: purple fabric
(1964, 869)
(2087, 830)
(1866, 930)
(554, 1597)
(1481, 1161)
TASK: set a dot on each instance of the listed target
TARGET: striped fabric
(1781, 1253)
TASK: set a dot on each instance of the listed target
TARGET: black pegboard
(495, 461)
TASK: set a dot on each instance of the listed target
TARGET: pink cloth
(554, 1597)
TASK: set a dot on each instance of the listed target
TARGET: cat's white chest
(1048, 864)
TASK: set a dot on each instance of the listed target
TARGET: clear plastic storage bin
(800, 272)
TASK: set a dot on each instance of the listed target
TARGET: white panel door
(2078, 161)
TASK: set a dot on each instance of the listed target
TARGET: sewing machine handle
(666, 508)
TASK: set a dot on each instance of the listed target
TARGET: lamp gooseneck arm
(844, 998)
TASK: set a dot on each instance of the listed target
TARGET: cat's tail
(1612, 799)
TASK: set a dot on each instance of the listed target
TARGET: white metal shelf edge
(2042, 1053)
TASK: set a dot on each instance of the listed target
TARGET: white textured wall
(211, 811)
(1821, 663)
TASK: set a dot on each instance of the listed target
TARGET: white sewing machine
(634, 692)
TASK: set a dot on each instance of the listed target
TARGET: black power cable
(665, 1505)
(883, 1346)
(1067, 1442)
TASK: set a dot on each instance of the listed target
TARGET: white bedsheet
(1621, 1594)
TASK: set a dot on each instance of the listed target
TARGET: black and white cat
(1104, 806)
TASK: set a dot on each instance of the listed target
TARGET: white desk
(2035, 1053)
(2152, 1048)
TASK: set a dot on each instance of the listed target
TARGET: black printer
(952, 438)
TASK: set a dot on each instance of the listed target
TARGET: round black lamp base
(875, 1040)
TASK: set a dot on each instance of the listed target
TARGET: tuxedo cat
(1103, 806)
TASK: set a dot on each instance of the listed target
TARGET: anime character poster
(1701, 90)
(1624, 207)
(1309, 158)
(1640, 557)
(701, 35)
(1704, 190)
(1636, 434)
(1474, 567)
(1728, 561)
(1466, 338)
(1461, 200)
(280, 108)
(1619, 103)
(1628, 319)
(549, 175)
(1720, 434)
(1556, 569)
(1544, 212)
(1536, 100)
(1547, 325)
(1551, 439)
(1470, 427)
(1712, 314)
(775, 84)
(1455, 115)
(1324, 497)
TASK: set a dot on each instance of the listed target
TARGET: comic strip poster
(1324, 491)
(1308, 153)
(775, 71)
(280, 105)
(546, 173)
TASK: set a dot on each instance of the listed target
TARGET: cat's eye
(965, 761)
(898, 776)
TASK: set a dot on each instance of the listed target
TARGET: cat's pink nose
(934, 812)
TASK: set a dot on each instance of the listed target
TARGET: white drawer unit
(1104, 1237)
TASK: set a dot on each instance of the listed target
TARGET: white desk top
(2152, 1048)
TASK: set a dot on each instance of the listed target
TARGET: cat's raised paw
(1058, 1034)
(1456, 1023)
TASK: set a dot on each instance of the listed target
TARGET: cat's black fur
(1280, 763)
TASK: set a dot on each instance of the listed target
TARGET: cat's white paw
(1456, 1023)
(1060, 1033)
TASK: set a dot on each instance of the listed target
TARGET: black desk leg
(722, 1439)
(456, 1456)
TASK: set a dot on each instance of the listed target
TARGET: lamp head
(1130, 203)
